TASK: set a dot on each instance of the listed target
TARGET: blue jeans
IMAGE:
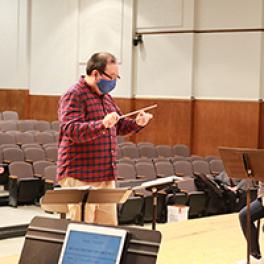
(256, 212)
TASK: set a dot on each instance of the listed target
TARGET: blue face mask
(106, 86)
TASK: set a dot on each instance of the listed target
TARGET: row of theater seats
(20, 138)
(27, 182)
(149, 150)
(28, 125)
(206, 200)
(28, 152)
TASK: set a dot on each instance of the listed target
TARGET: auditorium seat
(44, 138)
(216, 166)
(23, 186)
(12, 154)
(126, 172)
(164, 150)
(39, 166)
(181, 150)
(147, 150)
(42, 125)
(10, 115)
(34, 154)
(7, 138)
(51, 153)
(196, 199)
(129, 151)
(131, 212)
(49, 177)
(164, 168)
(55, 125)
(8, 125)
(145, 170)
(26, 125)
(24, 138)
(183, 168)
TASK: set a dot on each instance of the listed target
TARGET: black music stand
(154, 187)
(57, 200)
(45, 236)
(244, 163)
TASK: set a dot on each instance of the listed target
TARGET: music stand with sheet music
(56, 200)
(154, 187)
(244, 163)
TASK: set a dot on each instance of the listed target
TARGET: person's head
(102, 71)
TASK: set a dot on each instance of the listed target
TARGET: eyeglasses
(110, 77)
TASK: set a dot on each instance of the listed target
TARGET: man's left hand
(143, 118)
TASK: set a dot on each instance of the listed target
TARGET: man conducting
(89, 125)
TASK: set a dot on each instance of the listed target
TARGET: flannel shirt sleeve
(73, 123)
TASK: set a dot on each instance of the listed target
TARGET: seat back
(181, 150)
(26, 125)
(13, 154)
(52, 153)
(164, 168)
(130, 151)
(183, 168)
(201, 167)
(146, 169)
(147, 150)
(6, 138)
(42, 125)
(39, 166)
(10, 115)
(50, 172)
(164, 150)
(8, 125)
(34, 154)
(216, 166)
(55, 125)
(44, 138)
(21, 169)
(24, 138)
(126, 171)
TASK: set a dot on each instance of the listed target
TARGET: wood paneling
(14, 100)
(202, 124)
(43, 107)
(171, 122)
(224, 123)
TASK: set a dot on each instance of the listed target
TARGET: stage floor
(211, 240)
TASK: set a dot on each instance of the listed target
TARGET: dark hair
(98, 61)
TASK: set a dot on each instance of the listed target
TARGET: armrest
(140, 176)
(49, 181)
(13, 177)
(29, 161)
(120, 178)
(179, 174)
(161, 175)
(39, 176)
(7, 161)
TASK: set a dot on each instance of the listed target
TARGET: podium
(244, 163)
(57, 200)
(45, 236)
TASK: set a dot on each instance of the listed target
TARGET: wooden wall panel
(43, 107)
(202, 124)
(171, 123)
(14, 100)
(224, 123)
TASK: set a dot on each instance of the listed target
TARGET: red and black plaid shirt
(87, 150)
